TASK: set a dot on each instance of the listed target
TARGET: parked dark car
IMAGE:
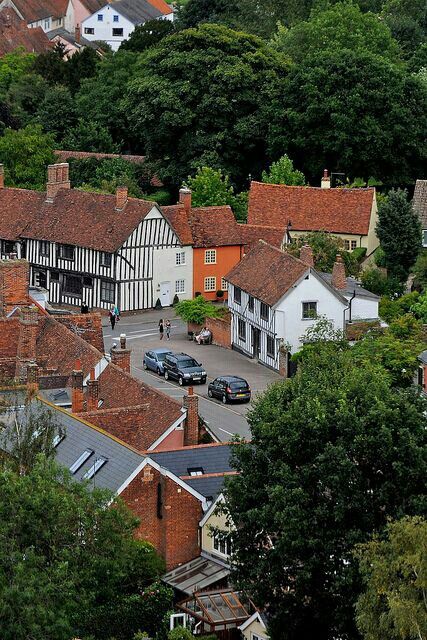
(229, 389)
(184, 368)
(154, 360)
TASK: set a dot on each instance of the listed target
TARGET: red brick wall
(14, 280)
(176, 534)
(87, 325)
(221, 330)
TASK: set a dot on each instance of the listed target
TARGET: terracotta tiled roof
(266, 273)
(74, 217)
(33, 10)
(92, 6)
(62, 155)
(311, 208)
(162, 6)
(15, 33)
(420, 201)
(204, 226)
(251, 234)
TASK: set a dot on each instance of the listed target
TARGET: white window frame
(176, 616)
(224, 286)
(180, 258)
(424, 237)
(210, 256)
(180, 289)
(302, 310)
(210, 278)
(241, 335)
(217, 541)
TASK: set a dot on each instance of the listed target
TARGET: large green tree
(334, 452)
(26, 154)
(147, 35)
(354, 112)
(399, 233)
(393, 605)
(283, 172)
(211, 188)
(202, 98)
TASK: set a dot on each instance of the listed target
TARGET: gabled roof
(420, 201)
(74, 217)
(204, 226)
(15, 33)
(267, 273)
(71, 39)
(251, 234)
(93, 5)
(34, 10)
(137, 11)
(353, 287)
(311, 208)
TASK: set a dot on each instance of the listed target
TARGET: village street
(142, 334)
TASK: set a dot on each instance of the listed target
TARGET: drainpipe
(349, 307)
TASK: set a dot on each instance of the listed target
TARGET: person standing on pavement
(161, 328)
(113, 317)
(168, 329)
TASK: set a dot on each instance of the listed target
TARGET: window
(224, 284)
(87, 282)
(105, 259)
(57, 439)
(347, 245)
(44, 248)
(118, 32)
(179, 286)
(237, 295)
(46, 24)
(100, 17)
(271, 346)
(54, 276)
(424, 238)
(195, 471)
(107, 291)
(353, 244)
(66, 251)
(251, 303)
(210, 256)
(81, 460)
(222, 544)
(180, 257)
(242, 330)
(89, 31)
(264, 311)
(115, 18)
(99, 462)
(309, 310)
(73, 285)
(8, 247)
(210, 283)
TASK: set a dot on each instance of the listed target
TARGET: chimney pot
(326, 180)
(92, 392)
(1, 176)
(77, 34)
(77, 388)
(339, 279)
(306, 255)
(121, 197)
(185, 198)
(57, 178)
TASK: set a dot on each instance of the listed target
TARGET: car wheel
(159, 373)
(144, 364)
(210, 393)
(180, 381)
(166, 375)
(224, 399)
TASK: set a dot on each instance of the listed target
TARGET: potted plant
(220, 295)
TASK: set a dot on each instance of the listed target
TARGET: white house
(274, 298)
(115, 21)
(420, 206)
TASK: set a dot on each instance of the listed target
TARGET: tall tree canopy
(202, 97)
(283, 172)
(26, 154)
(335, 451)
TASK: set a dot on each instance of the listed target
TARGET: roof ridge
(308, 186)
(193, 446)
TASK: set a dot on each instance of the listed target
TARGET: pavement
(142, 334)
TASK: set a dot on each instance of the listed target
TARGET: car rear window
(239, 386)
(189, 362)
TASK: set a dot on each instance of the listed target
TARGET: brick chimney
(121, 197)
(121, 355)
(57, 178)
(92, 393)
(32, 376)
(77, 34)
(306, 255)
(326, 180)
(339, 280)
(1, 176)
(191, 429)
(185, 198)
(14, 282)
(77, 388)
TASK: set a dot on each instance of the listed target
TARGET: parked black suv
(229, 388)
(184, 368)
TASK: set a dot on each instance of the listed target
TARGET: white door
(165, 294)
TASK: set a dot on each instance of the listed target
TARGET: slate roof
(34, 10)
(74, 217)
(15, 33)
(137, 11)
(71, 38)
(311, 208)
(423, 357)
(266, 273)
(353, 286)
(420, 201)
(204, 226)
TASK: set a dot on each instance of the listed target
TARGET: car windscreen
(189, 362)
(239, 386)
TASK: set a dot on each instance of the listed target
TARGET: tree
(335, 451)
(201, 98)
(83, 64)
(26, 154)
(377, 282)
(197, 310)
(211, 188)
(66, 557)
(345, 110)
(325, 247)
(51, 65)
(25, 95)
(56, 112)
(340, 27)
(282, 172)
(12, 67)
(197, 12)
(89, 136)
(147, 35)
(394, 603)
(401, 247)
(262, 18)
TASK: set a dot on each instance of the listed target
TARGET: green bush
(359, 253)
(161, 196)
(179, 633)
(197, 310)
(390, 309)
(377, 282)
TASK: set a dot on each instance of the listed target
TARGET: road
(142, 334)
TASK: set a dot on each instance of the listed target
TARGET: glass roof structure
(218, 609)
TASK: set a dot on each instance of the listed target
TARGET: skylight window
(57, 439)
(195, 471)
(99, 462)
(81, 460)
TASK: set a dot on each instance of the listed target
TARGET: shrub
(197, 310)
(161, 196)
(359, 253)
(180, 633)
(391, 309)
(377, 282)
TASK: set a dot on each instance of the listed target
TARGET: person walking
(168, 329)
(161, 328)
(112, 316)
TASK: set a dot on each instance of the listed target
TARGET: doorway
(165, 294)
(256, 342)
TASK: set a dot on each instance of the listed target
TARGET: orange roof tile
(205, 226)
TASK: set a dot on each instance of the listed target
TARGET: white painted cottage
(274, 298)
